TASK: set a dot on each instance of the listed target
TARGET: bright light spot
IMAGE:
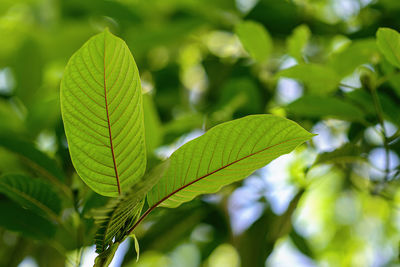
(165, 152)
(185, 255)
(378, 159)
(288, 90)
(202, 233)
(331, 135)
(224, 255)
(223, 44)
(28, 262)
(245, 6)
(285, 254)
(46, 142)
(7, 82)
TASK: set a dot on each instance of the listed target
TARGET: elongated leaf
(344, 154)
(15, 218)
(121, 213)
(388, 42)
(227, 153)
(37, 160)
(33, 194)
(314, 106)
(101, 105)
(255, 39)
(317, 78)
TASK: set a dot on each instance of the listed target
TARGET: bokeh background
(332, 202)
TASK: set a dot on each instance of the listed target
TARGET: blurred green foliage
(203, 63)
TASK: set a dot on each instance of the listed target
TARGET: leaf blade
(101, 106)
(252, 141)
(255, 39)
(121, 213)
(388, 41)
(33, 194)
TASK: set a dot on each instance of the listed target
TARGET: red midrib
(202, 177)
(108, 118)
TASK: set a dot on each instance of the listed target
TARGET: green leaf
(227, 153)
(317, 78)
(137, 248)
(122, 213)
(357, 53)
(33, 194)
(153, 128)
(39, 162)
(364, 100)
(15, 218)
(36, 159)
(101, 106)
(312, 106)
(296, 43)
(347, 153)
(388, 42)
(255, 39)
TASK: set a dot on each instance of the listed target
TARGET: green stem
(379, 113)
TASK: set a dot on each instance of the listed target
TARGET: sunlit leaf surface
(101, 103)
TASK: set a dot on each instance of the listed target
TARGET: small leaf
(311, 106)
(33, 194)
(297, 42)
(101, 105)
(347, 153)
(122, 213)
(357, 53)
(137, 248)
(388, 42)
(255, 39)
(227, 153)
(317, 78)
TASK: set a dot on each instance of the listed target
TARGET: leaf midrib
(204, 176)
(108, 118)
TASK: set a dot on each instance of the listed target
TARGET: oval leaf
(316, 106)
(101, 104)
(255, 39)
(388, 42)
(227, 153)
(317, 78)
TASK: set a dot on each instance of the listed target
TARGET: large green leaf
(255, 39)
(101, 105)
(33, 194)
(388, 42)
(227, 153)
(121, 213)
(317, 78)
